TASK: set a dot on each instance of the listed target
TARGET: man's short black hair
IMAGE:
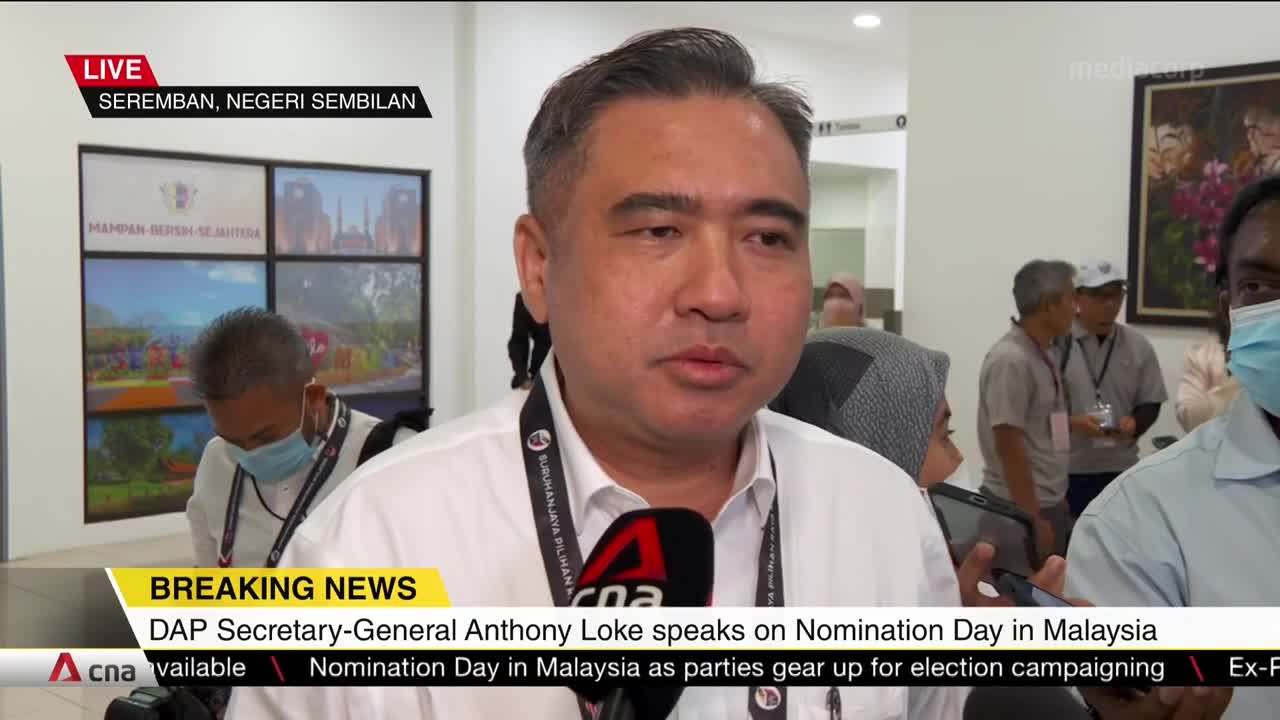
(674, 63)
(1255, 195)
(247, 348)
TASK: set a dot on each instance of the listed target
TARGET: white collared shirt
(855, 532)
(257, 525)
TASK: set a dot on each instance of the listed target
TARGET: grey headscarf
(872, 387)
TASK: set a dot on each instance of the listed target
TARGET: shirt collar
(1079, 332)
(1250, 449)
(586, 479)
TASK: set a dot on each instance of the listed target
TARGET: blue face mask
(273, 463)
(1255, 353)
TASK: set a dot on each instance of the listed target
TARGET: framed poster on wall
(141, 317)
(143, 203)
(1198, 138)
(363, 322)
(320, 211)
(155, 273)
(139, 464)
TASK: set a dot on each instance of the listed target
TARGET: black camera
(158, 703)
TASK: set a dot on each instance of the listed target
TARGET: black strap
(316, 479)
(1106, 363)
(562, 556)
(383, 435)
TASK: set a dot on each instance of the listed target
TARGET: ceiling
(827, 23)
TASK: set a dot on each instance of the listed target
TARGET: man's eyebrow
(681, 203)
(671, 202)
(775, 207)
(1257, 265)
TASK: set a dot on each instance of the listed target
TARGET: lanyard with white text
(316, 479)
(562, 557)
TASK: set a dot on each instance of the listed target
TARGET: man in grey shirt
(1114, 385)
(1022, 412)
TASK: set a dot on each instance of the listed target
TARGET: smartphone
(1027, 594)
(968, 518)
(1024, 592)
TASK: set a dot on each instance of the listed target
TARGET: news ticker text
(711, 668)
(256, 101)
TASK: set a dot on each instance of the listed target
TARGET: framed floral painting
(1198, 137)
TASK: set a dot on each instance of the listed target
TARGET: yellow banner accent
(330, 587)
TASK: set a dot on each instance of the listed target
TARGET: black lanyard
(1106, 363)
(562, 557)
(316, 479)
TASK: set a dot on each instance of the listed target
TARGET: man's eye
(771, 239)
(663, 232)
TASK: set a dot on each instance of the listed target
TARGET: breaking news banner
(124, 86)
(396, 627)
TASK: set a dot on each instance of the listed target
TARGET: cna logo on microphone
(628, 572)
(539, 440)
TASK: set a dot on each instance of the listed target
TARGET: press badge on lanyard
(1102, 411)
(562, 557)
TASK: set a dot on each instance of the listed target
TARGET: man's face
(264, 414)
(1099, 307)
(677, 282)
(1253, 270)
(1063, 312)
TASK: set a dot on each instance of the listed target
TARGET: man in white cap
(1113, 382)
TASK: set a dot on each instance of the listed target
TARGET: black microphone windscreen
(662, 557)
(659, 557)
(1019, 703)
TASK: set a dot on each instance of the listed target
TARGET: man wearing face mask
(1191, 526)
(283, 441)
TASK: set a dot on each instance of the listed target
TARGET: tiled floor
(76, 703)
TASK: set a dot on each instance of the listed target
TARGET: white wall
(838, 203)
(521, 48)
(883, 230)
(1011, 158)
(410, 44)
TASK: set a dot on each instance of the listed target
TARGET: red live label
(111, 71)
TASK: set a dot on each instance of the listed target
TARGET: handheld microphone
(663, 557)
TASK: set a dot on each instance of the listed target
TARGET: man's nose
(713, 284)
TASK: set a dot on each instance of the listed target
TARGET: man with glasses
(1113, 382)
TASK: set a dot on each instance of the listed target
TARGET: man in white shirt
(666, 247)
(273, 422)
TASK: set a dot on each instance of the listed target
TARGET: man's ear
(532, 249)
(316, 395)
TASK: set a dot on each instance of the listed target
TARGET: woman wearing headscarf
(843, 302)
(888, 394)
